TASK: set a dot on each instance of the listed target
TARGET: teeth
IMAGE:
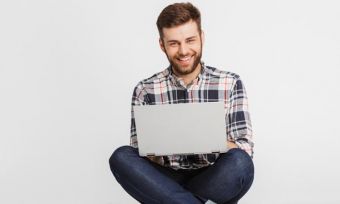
(184, 59)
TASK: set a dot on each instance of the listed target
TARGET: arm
(139, 97)
(239, 129)
(231, 145)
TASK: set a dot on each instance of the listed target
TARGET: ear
(202, 37)
(161, 44)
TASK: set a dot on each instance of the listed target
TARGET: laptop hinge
(150, 154)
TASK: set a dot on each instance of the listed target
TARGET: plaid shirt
(211, 85)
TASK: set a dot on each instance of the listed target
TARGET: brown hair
(178, 14)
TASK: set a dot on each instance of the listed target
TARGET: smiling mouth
(184, 60)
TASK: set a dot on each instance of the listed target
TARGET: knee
(241, 162)
(240, 156)
(119, 156)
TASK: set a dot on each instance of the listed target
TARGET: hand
(231, 145)
(156, 159)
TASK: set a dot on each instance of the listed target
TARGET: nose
(183, 49)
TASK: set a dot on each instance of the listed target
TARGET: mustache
(186, 55)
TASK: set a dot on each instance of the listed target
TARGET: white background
(68, 68)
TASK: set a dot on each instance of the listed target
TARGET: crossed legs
(226, 181)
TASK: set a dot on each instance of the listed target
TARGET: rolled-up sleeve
(239, 128)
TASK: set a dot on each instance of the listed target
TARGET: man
(221, 178)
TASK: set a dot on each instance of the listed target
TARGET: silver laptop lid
(186, 128)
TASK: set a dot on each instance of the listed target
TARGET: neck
(188, 78)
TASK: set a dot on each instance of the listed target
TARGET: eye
(172, 44)
(190, 40)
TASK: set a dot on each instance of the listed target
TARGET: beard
(182, 70)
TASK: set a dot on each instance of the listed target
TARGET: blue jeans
(226, 181)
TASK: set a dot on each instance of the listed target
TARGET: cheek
(172, 52)
(197, 47)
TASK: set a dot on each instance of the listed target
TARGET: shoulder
(153, 79)
(214, 72)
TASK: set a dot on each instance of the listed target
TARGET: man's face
(183, 46)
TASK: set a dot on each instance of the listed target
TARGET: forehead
(181, 32)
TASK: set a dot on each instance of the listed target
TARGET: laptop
(181, 129)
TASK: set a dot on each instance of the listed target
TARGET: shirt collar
(175, 80)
